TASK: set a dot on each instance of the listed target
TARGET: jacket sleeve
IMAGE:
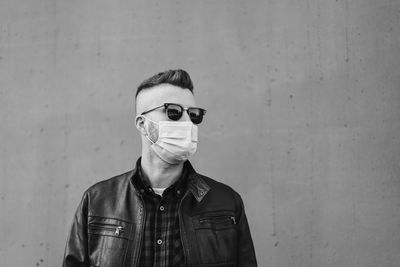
(76, 250)
(246, 253)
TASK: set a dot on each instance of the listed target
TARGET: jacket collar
(196, 184)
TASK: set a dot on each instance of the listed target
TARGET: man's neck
(160, 173)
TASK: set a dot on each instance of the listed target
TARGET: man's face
(160, 94)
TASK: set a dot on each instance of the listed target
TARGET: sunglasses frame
(165, 106)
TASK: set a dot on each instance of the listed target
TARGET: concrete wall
(303, 101)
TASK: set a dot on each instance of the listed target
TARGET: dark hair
(175, 77)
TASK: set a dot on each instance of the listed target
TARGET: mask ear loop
(148, 138)
(147, 135)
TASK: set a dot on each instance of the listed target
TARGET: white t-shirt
(159, 191)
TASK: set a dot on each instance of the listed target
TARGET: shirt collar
(142, 184)
(190, 181)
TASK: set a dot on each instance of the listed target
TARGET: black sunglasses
(175, 111)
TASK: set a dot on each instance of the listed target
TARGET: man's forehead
(163, 93)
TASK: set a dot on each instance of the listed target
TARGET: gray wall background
(303, 101)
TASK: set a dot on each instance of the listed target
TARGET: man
(162, 213)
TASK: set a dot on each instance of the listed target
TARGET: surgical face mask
(176, 142)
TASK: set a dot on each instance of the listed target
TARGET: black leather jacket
(107, 229)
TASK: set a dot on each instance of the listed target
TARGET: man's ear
(139, 123)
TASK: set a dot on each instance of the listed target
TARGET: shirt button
(162, 208)
(159, 241)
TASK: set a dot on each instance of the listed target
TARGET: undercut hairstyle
(174, 77)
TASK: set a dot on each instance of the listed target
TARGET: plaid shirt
(161, 244)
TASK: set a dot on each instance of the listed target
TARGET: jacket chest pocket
(107, 241)
(216, 236)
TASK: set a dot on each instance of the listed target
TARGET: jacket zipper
(117, 229)
(182, 232)
(139, 246)
(218, 219)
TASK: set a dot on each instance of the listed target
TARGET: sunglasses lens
(196, 115)
(174, 112)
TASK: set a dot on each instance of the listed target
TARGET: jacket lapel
(196, 184)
